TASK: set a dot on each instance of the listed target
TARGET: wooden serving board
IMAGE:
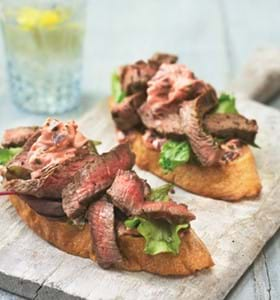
(234, 234)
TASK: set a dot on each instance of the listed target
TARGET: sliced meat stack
(178, 105)
(100, 189)
(52, 179)
(134, 80)
(94, 178)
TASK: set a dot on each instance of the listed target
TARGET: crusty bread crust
(193, 256)
(234, 181)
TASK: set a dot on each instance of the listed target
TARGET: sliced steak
(171, 86)
(231, 126)
(45, 207)
(94, 178)
(125, 113)
(176, 104)
(166, 121)
(52, 179)
(203, 145)
(170, 211)
(102, 228)
(17, 137)
(161, 58)
(134, 77)
(128, 192)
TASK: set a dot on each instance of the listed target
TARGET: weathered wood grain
(46, 272)
(215, 41)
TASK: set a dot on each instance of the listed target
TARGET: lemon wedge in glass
(30, 18)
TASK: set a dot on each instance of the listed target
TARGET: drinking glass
(44, 46)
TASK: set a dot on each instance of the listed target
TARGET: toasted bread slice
(193, 256)
(234, 181)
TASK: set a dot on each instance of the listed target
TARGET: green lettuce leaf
(226, 104)
(160, 236)
(174, 154)
(161, 193)
(117, 92)
(6, 154)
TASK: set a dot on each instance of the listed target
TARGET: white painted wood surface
(233, 232)
(215, 38)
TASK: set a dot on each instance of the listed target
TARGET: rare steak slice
(231, 126)
(17, 137)
(52, 180)
(125, 113)
(128, 192)
(94, 178)
(102, 229)
(169, 211)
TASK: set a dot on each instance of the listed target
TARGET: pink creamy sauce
(150, 138)
(172, 82)
(58, 142)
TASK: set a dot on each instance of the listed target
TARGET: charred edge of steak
(102, 228)
(231, 126)
(94, 178)
(134, 77)
(125, 113)
(128, 192)
(203, 145)
(17, 137)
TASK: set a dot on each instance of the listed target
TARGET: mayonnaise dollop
(58, 142)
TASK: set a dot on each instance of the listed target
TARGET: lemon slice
(29, 18)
